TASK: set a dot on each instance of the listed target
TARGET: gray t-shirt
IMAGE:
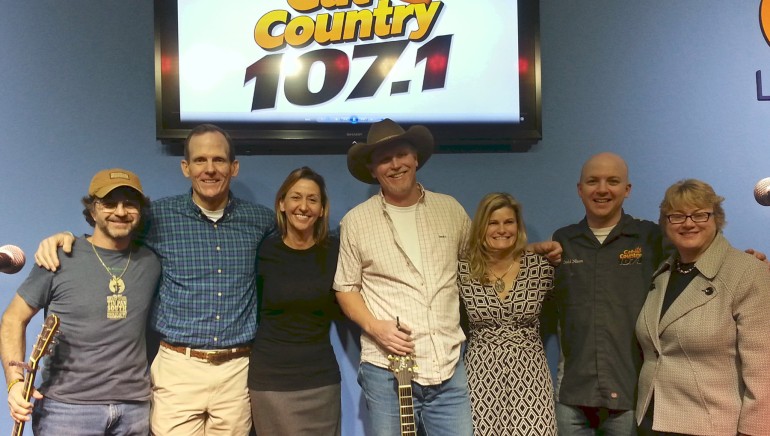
(100, 355)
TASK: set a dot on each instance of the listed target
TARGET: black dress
(292, 361)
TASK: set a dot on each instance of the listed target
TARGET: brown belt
(214, 356)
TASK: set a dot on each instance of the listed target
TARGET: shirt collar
(383, 203)
(232, 201)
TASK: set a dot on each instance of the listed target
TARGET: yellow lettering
(303, 5)
(361, 20)
(324, 33)
(265, 25)
(426, 19)
(333, 4)
(383, 21)
(299, 31)
(381, 14)
(400, 17)
(314, 5)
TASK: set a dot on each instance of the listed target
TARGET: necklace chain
(499, 283)
(116, 282)
(686, 270)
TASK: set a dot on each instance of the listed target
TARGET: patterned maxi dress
(508, 376)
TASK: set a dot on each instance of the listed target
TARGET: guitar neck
(44, 340)
(29, 384)
(404, 368)
(406, 411)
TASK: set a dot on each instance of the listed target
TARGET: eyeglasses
(697, 217)
(110, 206)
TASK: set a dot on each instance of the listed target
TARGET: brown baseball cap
(106, 180)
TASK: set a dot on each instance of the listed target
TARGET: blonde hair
(478, 252)
(691, 193)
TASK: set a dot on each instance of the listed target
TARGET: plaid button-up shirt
(373, 261)
(207, 295)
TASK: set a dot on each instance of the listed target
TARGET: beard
(117, 232)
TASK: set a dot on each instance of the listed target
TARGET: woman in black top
(294, 379)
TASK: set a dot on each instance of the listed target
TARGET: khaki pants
(191, 397)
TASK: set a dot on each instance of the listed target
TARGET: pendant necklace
(117, 303)
(116, 284)
(499, 283)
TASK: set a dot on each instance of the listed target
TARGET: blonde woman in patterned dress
(502, 288)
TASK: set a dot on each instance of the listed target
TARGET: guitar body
(404, 368)
(40, 349)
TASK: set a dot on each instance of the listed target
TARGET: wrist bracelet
(13, 382)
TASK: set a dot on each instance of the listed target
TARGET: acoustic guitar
(404, 368)
(41, 348)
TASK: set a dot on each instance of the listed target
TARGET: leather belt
(211, 356)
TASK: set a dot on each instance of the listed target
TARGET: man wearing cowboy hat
(396, 279)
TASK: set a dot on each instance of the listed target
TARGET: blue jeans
(439, 410)
(590, 421)
(51, 417)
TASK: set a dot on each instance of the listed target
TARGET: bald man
(601, 285)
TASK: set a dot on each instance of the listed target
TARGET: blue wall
(668, 85)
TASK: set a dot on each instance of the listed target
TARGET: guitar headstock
(403, 367)
(44, 340)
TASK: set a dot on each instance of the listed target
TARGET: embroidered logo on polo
(630, 257)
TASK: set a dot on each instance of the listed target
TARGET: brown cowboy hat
(382, 134)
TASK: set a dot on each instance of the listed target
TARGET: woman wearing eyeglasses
(704, 328)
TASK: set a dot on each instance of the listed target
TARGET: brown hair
(321, 226)
(89, 203)
(207, 128)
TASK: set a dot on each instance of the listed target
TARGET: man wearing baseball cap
(205, 313)
(95, 379)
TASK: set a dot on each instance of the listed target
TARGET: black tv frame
(336, 138)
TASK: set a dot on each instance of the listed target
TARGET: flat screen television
(311, 76)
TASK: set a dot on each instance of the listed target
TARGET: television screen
(311, 76)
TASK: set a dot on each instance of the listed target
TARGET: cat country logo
(381, 30)
(345, 21)
(630, 257)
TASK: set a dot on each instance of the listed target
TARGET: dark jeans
(594, 421)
